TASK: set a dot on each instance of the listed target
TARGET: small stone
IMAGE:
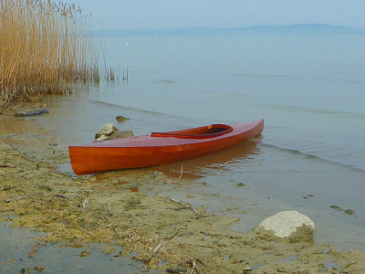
(121, 118)
(247, 270)
(349, 212)
(338, 208)
(39, 268)
(84, 254)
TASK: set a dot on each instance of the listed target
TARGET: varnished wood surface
(151, 150)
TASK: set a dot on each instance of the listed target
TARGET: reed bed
(43, 50)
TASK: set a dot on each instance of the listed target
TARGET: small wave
(167, 82)
(316, 110)
(130, 108)
(266, 76)
(312, 156)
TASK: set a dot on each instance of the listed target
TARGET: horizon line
(235, 28)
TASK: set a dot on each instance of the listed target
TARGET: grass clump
(43, 49)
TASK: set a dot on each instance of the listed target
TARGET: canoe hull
(144, 151)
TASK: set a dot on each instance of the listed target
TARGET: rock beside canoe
(110, 132)
(31, 112)
(121, 134)
(290, 225)
(107, 130)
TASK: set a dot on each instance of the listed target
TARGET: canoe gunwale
(205, 132)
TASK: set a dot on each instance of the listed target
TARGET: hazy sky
(135, 14)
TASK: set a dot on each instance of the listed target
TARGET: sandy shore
(118, 210)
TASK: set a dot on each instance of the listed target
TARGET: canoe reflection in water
(224, 160)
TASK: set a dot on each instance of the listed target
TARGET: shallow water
(18, 243)
(309, 89)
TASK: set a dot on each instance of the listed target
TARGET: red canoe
(160, 147)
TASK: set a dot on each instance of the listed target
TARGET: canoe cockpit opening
(197, 133)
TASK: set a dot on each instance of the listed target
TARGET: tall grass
(43, 49)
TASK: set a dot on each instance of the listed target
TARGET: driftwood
(7, 262)
(33, 251)
(147, 260)
(17, 198)
(186, 205)
(31, 112)
(4, 166)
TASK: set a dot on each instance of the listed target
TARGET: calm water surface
(309, 89)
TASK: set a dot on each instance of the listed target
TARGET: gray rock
(289, 224)
(110, 132)
(121, 134)
(107, 130)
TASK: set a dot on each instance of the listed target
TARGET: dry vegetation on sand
(43, 49)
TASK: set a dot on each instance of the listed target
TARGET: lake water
(18, 243)
(309, 89)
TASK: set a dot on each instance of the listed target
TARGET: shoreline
(118, 208)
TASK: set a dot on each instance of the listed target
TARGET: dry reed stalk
(43, 49)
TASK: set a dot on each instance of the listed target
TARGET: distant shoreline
(298, 29)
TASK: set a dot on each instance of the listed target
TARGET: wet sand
(124, 213)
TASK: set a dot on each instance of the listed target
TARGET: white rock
(285, 223)
(109, 132)
(107, 129)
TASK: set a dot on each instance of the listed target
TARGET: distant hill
(309, 29)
